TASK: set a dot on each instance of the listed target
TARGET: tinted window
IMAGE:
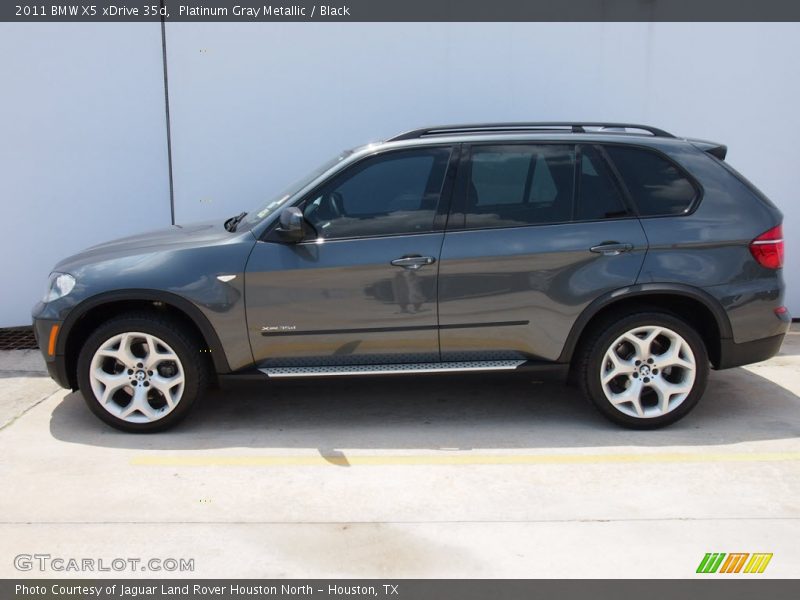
(599, 197)
(520, 185)
(387, 194)
(657, 187)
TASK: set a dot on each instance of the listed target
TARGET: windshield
(278, 201)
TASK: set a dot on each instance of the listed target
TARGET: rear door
(537, 231)
(363, 290)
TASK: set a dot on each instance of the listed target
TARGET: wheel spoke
(618, 367)
(672, 357)
(683, 387)
(119, 348)
(631, 395)
(154, 357)
(111, 382)
(666, 390)
(152, 350)
(165, 385)
(642, 345)
(147, 410)
(664, 396)
(138, 403)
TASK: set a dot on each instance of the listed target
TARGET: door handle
(611, 248)
(413, 262)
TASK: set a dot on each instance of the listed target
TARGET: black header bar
(398, 10)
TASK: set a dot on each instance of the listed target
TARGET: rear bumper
(734, 355)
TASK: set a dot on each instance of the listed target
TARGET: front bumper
(56, 363)
(57, 369)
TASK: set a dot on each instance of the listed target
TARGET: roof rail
(571, 127)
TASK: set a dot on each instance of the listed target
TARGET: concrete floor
(471, 476)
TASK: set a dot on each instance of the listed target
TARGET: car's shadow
(488, 411)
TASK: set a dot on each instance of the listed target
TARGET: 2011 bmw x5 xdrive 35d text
(621, 256)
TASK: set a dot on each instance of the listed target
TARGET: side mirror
(292, 225)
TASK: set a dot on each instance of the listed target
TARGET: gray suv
(619, 257)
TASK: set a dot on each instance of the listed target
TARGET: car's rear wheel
(141, 373)
(645, 370)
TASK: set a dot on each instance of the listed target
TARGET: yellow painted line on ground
(310, 460)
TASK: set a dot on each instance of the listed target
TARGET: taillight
(767, 248)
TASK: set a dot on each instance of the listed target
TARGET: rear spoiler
(714, 149)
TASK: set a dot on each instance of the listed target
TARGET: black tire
(602, 336)
(185, 346)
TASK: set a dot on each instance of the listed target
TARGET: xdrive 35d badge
(618, 257)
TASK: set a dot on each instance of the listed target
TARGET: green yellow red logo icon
(734, 562)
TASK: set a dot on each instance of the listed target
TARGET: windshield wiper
(231, 223)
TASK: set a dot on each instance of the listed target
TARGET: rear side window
(599, 196)
(517, 185)
(656, 185)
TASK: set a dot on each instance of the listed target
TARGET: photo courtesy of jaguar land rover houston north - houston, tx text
(621, 258)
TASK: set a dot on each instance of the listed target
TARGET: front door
(363, 291)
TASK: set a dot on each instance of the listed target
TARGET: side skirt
(543, 371)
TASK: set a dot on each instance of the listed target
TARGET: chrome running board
(395, 369)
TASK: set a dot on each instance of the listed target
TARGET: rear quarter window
(656, 185)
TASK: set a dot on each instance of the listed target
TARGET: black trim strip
(493, 324)
(390, 329)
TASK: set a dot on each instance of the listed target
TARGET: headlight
(59, 285)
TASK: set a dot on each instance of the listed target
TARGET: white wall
(82, 146)
(254, 106)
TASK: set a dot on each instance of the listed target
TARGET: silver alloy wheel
(648, 371)
(137, 377)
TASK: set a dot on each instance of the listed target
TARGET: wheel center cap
(140, 375)
(644, 370)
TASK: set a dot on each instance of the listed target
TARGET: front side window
(656, 185)
(517, 185)
(388, 194)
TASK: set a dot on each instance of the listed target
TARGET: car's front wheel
(644, 370)
(141, 373)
